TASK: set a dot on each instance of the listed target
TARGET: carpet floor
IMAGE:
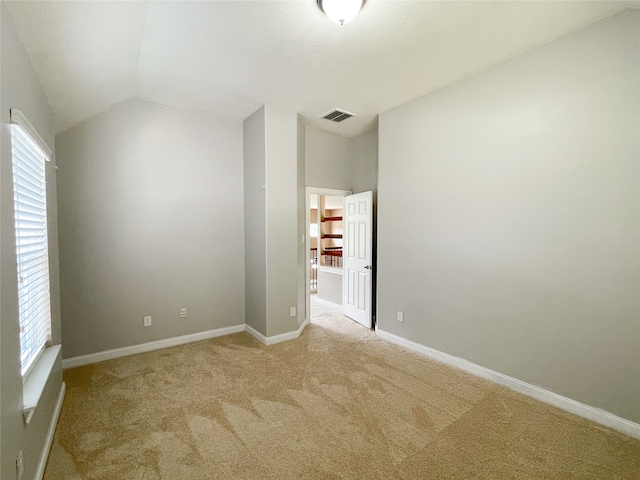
(338, 403)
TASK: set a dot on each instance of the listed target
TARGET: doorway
(324, 272)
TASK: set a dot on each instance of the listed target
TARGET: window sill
(33, 388)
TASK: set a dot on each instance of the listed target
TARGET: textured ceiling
(230, 57)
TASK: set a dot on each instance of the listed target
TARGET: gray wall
(151, 220)
(509, 217)
(282, 219)
(329, 286)
(343, 163)
(327, 163)
(255, 217)
(363, 162)
(21, 90)
(271, 190)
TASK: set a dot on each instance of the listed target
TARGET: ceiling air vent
(337, 115)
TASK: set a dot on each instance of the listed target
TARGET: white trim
(572, 406)
(256, 334)
(328, 192)
(283, 337)
(33, 387)
(332, 270)
(330, 304)
(19, 118)
(48, 441)
(148, 347)
(36, 359)
(172, 342)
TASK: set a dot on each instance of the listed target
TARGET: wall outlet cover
(292, 312)
(147, 321)
(183, 312)
(400, 316)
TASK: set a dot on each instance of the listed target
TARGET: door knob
(368, 267)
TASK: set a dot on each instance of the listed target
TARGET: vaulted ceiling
(230, 57)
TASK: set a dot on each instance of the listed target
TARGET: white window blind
(32, 249)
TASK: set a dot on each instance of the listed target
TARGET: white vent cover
(337, 115)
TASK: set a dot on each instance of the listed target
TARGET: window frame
(18, 120)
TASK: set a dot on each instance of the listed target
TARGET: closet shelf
(332, 219)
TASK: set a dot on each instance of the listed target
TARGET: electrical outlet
(292, 312)
(183, 312)
(19, 466)
(400, 316)
(147, 321)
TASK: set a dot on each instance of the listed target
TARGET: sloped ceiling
(231, 57)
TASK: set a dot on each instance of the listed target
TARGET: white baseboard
(172, 342)
(48, 441)
(572, 406)
(283, 337)
(148, 347)
(256, 334)
(330, 304)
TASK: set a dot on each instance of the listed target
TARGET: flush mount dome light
(340, 11)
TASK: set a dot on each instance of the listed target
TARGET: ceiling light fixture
(340, 11)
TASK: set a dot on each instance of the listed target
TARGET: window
(29, 154)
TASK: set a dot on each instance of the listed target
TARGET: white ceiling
(231, 57)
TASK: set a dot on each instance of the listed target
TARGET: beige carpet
(338, 403)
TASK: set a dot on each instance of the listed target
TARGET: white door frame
(319, 191)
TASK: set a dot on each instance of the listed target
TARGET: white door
(358, 229)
